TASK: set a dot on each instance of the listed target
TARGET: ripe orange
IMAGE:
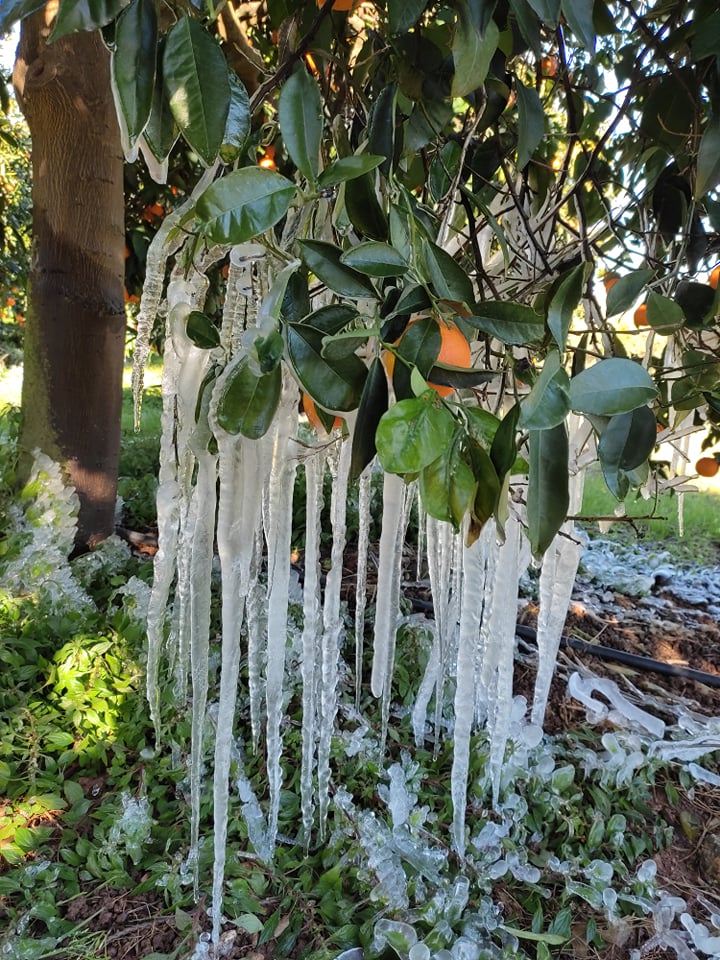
(549, 67)
(714, 277)
(707, 466)
(153, 211)
(609, 281)
(339, 4)
(311, 413)
(267, 161)
(640, 316)
(454, 350)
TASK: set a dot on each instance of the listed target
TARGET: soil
(664, 627)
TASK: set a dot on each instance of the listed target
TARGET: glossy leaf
(296, 300)
(548, 403)
(579, 17)
(301, 121)
(161, 132)
(332, 318)
(196, 80)
(348, 168)
(237, 126)
(461, 378)
(625, 291)
(419, 346)
(531, 123)
(248, 401)
(133, 65)
(707, 174)
(12, 11)
(611, 386)
(563, 304)
(512, 323)
(404, 14)
(447, 485)
(412, 432)
(323, 259)
(527, 22)
(74, 15)
(547, 10)
(697, 301)
(202, 331)
(413, 299)
(503, 449)
(381, 127)
(487, 491)
(626, 443)
(473, 49)
(375, 259)
(363, 207)
(446, 275)
(373, 404)
(547, 496)
(664, 315)
(243, 204)
(337, 386)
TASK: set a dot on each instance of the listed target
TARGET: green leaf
(447, 485)
(487, 492)
(243, 204)
(460, 378)
(202, 331)
(381, 126)
(625, 291)
(196, 80)
(337, 386)
(375, 259)
(697, 302)
(547, 496)
(11, 11)
(348, 168)
(323, 259)
(503, 448)
(301, 121)
(472, 50)
(446, 275)
(547, 10)
(133, 65)
(512, 323)
(363, 207)
(548, 403)
(665, 316)
(528, 24)
(373, 404)
(419, 346)
(413, 299)
(611, 386)
(76, 15)
(161, 131)
(626, 443)
(412, 432)
(579, 17)
(247, 401)
(707, 173)
(553, 939)
(531, 123)
(404, 14)
(563, 304)
(332, 318)
(237, 126)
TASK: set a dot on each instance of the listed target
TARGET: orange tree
(428, 161)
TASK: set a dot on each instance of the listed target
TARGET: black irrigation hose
(630, 659)
(607, 653)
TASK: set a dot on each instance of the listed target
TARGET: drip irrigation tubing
(648, 664)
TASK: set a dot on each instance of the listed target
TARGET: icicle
(278, 534)
(312, 632)
(200, 586)
(441, 556)
(256, 619)
(474, 594)
(500, 651)
(364, 497)
(387, 605)
(165, 242)
(331, 628)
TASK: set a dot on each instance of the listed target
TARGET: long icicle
(364, 504)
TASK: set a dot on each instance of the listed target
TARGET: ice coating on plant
(132, 828)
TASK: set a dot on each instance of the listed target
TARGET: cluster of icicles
(239, 496)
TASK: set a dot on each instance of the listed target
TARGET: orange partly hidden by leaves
(707, 467)
(454, 351)
(339, 4)
(313, 418)
(609, 281)
(267, 161)
(549, 67)
(640, 316)
(715, 277)
(153, 211)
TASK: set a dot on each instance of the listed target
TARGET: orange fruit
(714, 277)
(707, 466)
(609, 281)
(339, 4)
(267, 161)
(640, 316)
(153, 211)
(311, 413)
(454, 350)
(549, 67)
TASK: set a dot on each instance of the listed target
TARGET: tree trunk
(75, 325)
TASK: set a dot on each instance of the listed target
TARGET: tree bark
(75, 325)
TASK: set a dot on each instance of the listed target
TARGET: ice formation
(226, 494)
